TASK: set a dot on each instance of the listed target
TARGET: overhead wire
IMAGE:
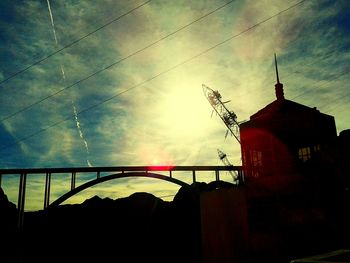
(322, 58)
(325, 82)
(115, 63)
(327, 55)
(155, 76)
(340, 97)
(72, 43)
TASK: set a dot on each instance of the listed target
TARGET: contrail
(81, 134)
(52, 23)
(63, 73)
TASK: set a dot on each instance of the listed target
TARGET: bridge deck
(131, 170)
(118, 169)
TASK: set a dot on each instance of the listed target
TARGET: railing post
(98, 175)
(194, 175)
(217, 177)
(72, 183)
(47, 190)
(240, 177)
(21, 199)
(171, 173)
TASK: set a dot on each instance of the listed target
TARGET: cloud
(149, 107)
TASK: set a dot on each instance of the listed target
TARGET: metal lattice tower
(226, 162)
(228, 117)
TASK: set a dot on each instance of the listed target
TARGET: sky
(119, 83)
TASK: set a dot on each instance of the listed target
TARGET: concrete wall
(224, 225)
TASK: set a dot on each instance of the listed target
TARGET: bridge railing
(99, 171)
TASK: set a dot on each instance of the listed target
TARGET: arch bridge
(112, 173)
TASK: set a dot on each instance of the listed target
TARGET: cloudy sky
(119, 83)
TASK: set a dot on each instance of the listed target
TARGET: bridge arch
(99, 180)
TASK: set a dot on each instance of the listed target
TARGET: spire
(278, 86)
(278, 79)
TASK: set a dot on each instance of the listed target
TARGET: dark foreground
(143, 228)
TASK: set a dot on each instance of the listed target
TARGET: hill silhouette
(137, 228)
(144, 228)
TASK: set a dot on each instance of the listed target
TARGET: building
(286, 138)
(296, 181)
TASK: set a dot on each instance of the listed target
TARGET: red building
(297, 181)
(286, 138)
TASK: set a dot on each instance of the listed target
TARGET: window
(256, 158)
(304, 154)
(317, 148)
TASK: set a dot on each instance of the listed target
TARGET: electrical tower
(228, 117)
(230, 120)
(234, 174)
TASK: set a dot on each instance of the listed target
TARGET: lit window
(304, 154)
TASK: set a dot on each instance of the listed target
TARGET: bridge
(100, 176)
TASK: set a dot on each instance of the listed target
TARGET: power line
(339, 111)
(338, 98)
(72, 43)
(155, 76)
(327, 55)
(115, 63)
(336, 77)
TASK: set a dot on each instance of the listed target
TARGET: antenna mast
(228, 117)
(278, 86)
(278, 79)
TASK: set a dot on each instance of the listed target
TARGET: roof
(279, 107)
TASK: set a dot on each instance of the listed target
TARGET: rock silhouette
(143, 228)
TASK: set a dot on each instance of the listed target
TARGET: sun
(185, 111)
(155, 161)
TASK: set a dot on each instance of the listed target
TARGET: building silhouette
(286, 138)
(296, 180)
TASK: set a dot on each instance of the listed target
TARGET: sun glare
(180, 117)
(185, 112)
(155, 155)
